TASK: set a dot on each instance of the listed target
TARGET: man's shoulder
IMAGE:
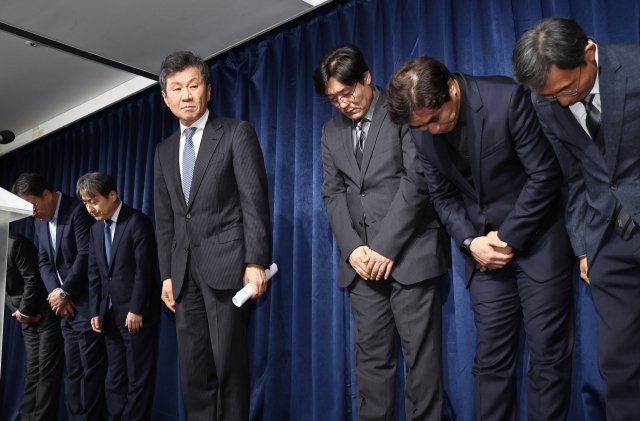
(337, 123)
(628, 53)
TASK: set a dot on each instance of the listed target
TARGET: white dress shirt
(114, 218)
(579, 110)
(53, 226)
(197, 137)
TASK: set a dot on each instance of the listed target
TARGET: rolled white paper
(245, 293)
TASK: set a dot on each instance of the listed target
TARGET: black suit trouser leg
(86, 361)
(381, 309)
(131, 373)
(212, 350)
(45, 361)
(615, 286)
(501, 299)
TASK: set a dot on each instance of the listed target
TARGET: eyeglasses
(35, 206)
(565, 94)
(347, 98)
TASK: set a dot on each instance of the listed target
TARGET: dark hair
(180, 61)
(417, 84)
(93, 182)
(30, 184)
(556, 42)
(344, 62)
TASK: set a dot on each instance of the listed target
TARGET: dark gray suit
(385, 205)
(42, 340)
(595, 182)
(204, 248)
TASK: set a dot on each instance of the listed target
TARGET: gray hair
(553, 41)
(95, 182)
(180, 61)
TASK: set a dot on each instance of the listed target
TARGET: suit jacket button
(363, 194)
(188, 216)
(109, 278)
(360, 223)
(185, 249)
(608, 219)
(484, 208)
(613, 186)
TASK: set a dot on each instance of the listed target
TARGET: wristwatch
(464, 247)
(63, 295)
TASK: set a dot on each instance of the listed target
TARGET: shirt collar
(199, 124)
(55, 215)
(114, 218)
(462, 118)
(372, 107)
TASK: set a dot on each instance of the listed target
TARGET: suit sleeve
(47, 271)
(573, 191)
(334, 194)
(95, 283)
(144, 246)
(251, 177)
(76, 281)
(25, 259)
(448, 202)
(543, 170)
(164, 217)
(407, 206)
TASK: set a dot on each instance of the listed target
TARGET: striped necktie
(188, 162)
(360, 138)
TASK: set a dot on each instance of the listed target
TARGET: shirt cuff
(23, 315)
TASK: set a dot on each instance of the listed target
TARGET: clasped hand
(370, 264)
(490, 252)
(26, 320)
(63, 307)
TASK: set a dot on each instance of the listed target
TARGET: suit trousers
(86, 361)
(131, 372)
(212, 351)
(501, 299)
(380, 309)
(45, 361)
(614, 274)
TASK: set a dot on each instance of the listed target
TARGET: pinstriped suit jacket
(227, 223)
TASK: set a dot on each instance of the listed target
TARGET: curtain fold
(301, 330)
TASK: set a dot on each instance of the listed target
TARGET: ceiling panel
(41, 83)
(141, 33)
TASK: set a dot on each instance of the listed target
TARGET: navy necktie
(594, 122)
(188, 162)
(360, 138)
(107, 245)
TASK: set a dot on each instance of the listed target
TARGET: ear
(113, 196)
(208, 93)
(367, 78)
(590, 53)
(452, 87)
(164, 96)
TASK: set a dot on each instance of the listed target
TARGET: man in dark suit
(391, 241)
(124, 296)
(62, 225)
(495, 182)
(27, 300)
(214, 236)
(587, 96)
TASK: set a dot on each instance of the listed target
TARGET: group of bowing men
(525, 176)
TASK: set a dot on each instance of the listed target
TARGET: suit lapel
(121, 224)
(448, 169)
(347, 141)
(101, 248)
(475, 125)
(175, 163)
(210, 138)
(379, 115)
(613, 86)
(61, 222)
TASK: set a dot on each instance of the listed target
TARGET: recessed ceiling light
(31, 44)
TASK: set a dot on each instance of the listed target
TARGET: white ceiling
(38, 84)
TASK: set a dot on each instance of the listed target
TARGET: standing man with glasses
(495, 182)
(393, 249)
(587, 96)
(62, 225)
(214, 236)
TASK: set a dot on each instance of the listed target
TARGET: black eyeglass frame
(565, 94)
(336, 101)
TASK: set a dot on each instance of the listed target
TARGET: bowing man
(124, 296)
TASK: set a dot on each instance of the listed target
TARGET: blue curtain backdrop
(301, 337)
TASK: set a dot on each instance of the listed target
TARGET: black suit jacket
(72, 252)
(517, 179)
(390, 190)
(595, 182)
(227, 222)
(129, 275)
(25, 290)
